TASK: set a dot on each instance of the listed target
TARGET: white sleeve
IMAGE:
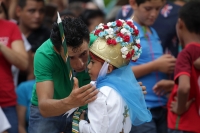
(98, 116)
(27, 45)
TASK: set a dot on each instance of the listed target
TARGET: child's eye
(147, 8)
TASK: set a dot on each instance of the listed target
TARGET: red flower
(97, 32)
(119, 23)
(129, 23)
(136, 32)
(106, 27)
(132, 52)
(128, 56)
(114, 42)
(126, 38)
(109, 41)
(120, 34)
(138, 45)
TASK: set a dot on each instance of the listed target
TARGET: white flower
(100, 27)
(137, 41)
(109, 24)
(136, 27)
(124, 49)
(101, 24)
(124, 56)
(123, 30)
(135, 57)
(128, 33)
(109, 36)
(109, 31)
(121, 20)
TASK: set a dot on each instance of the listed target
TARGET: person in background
(184, 101)
(15, 70)
(92, 18)
(24, 94)
(12, 52)
(31, 15)
(166, 20)
(153, 66)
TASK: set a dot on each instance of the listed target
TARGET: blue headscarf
(122, 80)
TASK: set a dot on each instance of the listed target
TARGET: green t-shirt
(49, 66)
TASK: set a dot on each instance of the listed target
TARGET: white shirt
(106, 114)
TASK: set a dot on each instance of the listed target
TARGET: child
(153, 66)
(120, 102)
(184, 102)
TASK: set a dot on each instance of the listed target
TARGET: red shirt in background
(9, 32)
(189, 121)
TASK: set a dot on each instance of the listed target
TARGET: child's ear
(110, 68)
(133, 4)
(180, 24)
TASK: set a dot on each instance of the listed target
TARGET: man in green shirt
(53, 97)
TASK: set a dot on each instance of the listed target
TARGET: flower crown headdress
(123, 32)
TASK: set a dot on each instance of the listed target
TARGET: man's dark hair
(4, 10)
(75, 32)
(190, 15)
(22, 3)
(143, 1)
(89, 14)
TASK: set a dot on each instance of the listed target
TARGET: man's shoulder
(45, 50)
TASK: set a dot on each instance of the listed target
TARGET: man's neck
(25, 30)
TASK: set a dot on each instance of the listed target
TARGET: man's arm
(197, 63)
(51, 107)
(21, 112)
(16, 55)
(165, 63)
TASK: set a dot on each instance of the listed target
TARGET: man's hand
(165, 63)
(174, 106)
(83, 95)
(197, 63)
(163, 86)
(144, 91)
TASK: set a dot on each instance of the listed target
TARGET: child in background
(153, 65)
(184, 102)
(120, 102)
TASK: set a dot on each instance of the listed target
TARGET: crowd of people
(148, 46)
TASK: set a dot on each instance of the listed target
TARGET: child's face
(93, 69)
(146, 13)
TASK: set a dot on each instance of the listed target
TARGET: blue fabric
(151, 50)
(122, 80)
(11, 115)
(57, 124)
(164, 26)
(24, 94)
